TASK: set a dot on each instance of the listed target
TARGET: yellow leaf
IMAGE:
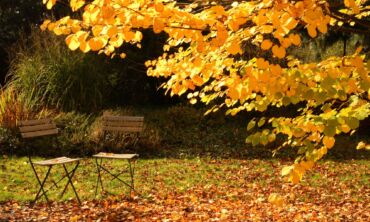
(286, 43)
(276, 70)
(266, 44)
(322, 27)
(116, 41)
(358, 62)
(345, 128)
(261, 19)
(129, 36)
(138, 36)
(251, 124)
(266, 29)
(322, 151)
(275, 20)
(279, 51)
(51, 26)
(107, 12)
(112, 31)
(261, 122)
(74, 218)
(159, 7)
(349, 3)
(233, 25)
(84, 47)
(262, 64)
(81, 36)
(294, 177)
(276, 199)
(312, 30)
(72, 42)
(291, 23)
(234, 48)
(218, 10)
(286, 170)
(271, 138)
(158, 25)
(50, 4)
(96, 44)
(122, 55)
(222, 35)
(44, 25)
(328, 141)
(307, 164)
(197, 80)
(233, 93)
(76, 4)
(97, 29)
(295, 39)
(362, 145)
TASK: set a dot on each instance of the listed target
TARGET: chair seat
(55, 161)
(115, 156)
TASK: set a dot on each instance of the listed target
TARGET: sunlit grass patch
(232, 178)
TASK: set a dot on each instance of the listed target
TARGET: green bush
(179, 131)
(45, 71)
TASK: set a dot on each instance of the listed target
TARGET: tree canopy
(237, 54)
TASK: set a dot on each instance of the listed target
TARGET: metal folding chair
(130, 127)
(45, 127)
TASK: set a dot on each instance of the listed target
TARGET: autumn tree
(206, 58)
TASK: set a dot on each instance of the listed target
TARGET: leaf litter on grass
(220, 190)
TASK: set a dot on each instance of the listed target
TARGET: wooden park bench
(30, 129)
(128, 127)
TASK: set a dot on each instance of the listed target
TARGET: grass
(166, 176)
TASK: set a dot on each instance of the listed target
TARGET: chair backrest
(36, 128)
(123, 124)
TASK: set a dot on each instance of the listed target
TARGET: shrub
(12, 108)
(44, 71)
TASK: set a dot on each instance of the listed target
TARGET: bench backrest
(124, 124)
(36, 128)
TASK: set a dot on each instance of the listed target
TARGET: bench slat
(122, 129)
(123, 118)
(123, 124)
(25, 129)
(34, 122)
(40, 133)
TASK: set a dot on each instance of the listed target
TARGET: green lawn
(17, 181)
(199, 189)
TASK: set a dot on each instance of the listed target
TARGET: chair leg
(132, 188)
(100, 169)
(72, 172)
(99, 179)
(70, 181)
(38, 195)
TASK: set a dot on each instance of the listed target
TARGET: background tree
(237, 54)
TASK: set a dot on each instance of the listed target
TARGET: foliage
(74, 134)
(206, 57)
(45, 72)
(194, 189)
(81, 135)
(12, 108)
